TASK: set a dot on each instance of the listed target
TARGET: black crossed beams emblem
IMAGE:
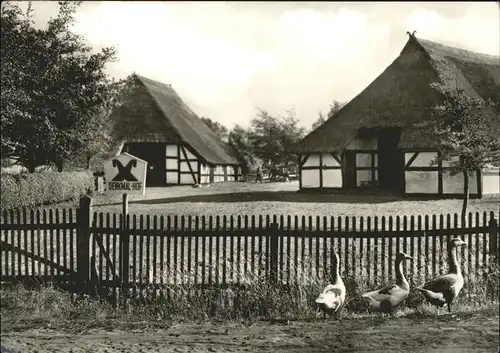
(124, 173)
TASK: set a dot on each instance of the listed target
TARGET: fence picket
(369, 257)
(196, 250)
(224, 250)
(391, 245)
(412, 246)
(32, 242)
(316, 246)
(296, 248)
(239, 276)
(325, 249)
(25, 241)
(162, 250)
(376, 259)
(45, 250)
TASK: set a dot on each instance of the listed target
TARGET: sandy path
(472, 334)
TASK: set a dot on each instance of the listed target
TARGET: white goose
(332, 297)
(391, 296)
(445, 289)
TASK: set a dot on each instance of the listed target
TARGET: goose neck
(454, 267)
(336, 268)
(400, 277)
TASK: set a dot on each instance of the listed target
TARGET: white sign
(126, 173)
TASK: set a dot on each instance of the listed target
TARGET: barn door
(350, 176)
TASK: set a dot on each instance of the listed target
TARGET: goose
(391, 296)
(445, 288)
(332, 297)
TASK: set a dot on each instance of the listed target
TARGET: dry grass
(260, 299)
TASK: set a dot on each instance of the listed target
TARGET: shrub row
(33, 189)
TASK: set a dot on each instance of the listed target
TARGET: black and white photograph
(250, 176)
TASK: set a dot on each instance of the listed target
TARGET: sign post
(126, 173)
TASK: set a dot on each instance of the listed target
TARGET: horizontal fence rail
(136, 251)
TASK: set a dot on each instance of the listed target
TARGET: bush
(33, 189)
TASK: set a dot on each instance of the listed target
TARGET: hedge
(33, 189)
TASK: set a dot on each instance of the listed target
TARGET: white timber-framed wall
(424, 178)
(328, 170)
(490, 180)
(320, 171)
(184, 167)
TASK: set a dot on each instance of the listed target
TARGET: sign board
(126, 173)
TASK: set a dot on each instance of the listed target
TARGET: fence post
(124, 248)
(493, 225)
(273, 236)
(83, 219)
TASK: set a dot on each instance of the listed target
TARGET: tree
(291, 134)
(334, 109)
(51, 87)
(272, 138)
(95, 138)
(320, 121)
(219, 129)
(467, 134)
(238, 140)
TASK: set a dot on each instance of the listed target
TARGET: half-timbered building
(370, 142)
(154, 124)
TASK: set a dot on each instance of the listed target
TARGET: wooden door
(350, 175)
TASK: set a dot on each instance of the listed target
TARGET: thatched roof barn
(155, 124)
(385, 111)
(401, 94)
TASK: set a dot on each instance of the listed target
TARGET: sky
(226, 59)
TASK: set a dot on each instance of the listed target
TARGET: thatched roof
(401, 95)
(154, 112)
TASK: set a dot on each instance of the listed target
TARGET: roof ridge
(430, 45)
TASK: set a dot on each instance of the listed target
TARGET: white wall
(421, 182)
(171, 151)
(329, 161)
(423, 159)
(171, 163)
(205, 174)
(186, 179)
(312, 161)
(491, 181)
(332, 178)
(310, 178)
(455, 184)
(172, 178)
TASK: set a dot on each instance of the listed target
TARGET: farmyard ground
(243, 198)
(474, 333)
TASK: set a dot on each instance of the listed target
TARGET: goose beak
(409, 258)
